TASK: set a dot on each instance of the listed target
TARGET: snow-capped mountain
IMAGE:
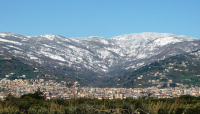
(98, 54)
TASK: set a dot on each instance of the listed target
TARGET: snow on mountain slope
(96, 53)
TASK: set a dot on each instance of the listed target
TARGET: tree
(37, 95)
(11, 99)
(126, 109)
(192, 109)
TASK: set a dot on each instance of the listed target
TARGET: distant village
(54, 90)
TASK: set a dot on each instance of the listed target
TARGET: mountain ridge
(106, 57)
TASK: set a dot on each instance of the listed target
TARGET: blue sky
(106, 18)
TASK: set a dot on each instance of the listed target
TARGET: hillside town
(54, 90)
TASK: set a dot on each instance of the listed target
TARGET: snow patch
(56, 57)
(13, 47)
(3, 34)
(32, 57)
(14, 42)
(166, 40)
(48, 36)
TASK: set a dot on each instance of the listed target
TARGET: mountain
(178, 70)
(93, 57)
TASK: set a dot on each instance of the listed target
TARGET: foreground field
(36, 104)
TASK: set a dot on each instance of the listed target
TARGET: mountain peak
(49, 36)
(3, 34)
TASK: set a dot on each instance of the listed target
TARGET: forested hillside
(175, 71)
(14, 69)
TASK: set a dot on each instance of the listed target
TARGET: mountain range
(94, 58)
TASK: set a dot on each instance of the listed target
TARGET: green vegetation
(36, 104)
(15, 69)
(181, 69)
